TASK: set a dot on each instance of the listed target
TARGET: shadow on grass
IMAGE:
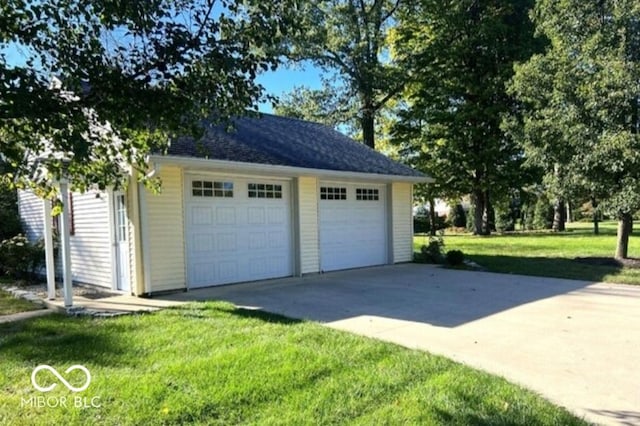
(59, 339)
(204, 309)
(545, 267)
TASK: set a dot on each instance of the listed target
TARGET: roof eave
(278, 170)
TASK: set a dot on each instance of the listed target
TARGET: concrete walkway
(577, 343)
(20, 316)
(113, 305)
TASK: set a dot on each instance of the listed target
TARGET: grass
(548, 254)
(12, 305)
(211, 363)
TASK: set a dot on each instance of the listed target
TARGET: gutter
(278, 170)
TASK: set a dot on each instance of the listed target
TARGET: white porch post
(48, 250)
(65, 244)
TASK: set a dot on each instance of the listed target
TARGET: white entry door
(353, 225)
(121, 243)
(237, 229)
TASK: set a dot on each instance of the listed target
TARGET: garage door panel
(353, 229)
(256, 215)
(228, 270)
(202, 243)
(227, 242)
(276, 216)
(226, 215)
(201, 215)
(236, 237)
(258, 241)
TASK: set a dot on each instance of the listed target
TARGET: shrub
(505, 220)
(529, 213)
(455, 257)
(471, 218)
(543, 214)
(457, 216)
(431, 253)
(9, 219)
(21, 259)
(421, 225)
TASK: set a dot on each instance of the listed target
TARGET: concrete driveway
(575, 342)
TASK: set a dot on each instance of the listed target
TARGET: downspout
(144, 228)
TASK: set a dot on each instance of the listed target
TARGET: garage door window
(207, 188)
(262, 190)
(333, 193)
(367, 194)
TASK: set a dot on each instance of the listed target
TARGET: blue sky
(284, 80)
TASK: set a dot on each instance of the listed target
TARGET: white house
(277, 197)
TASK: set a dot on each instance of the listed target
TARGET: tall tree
(350, 37)
(128, 76)
(327, 105)
(582, 101)
(460, 56)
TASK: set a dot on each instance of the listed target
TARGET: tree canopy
(581, 100)
(104, 83)
(460, 57)
(350, 38)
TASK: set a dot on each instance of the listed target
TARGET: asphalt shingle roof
(275, 140)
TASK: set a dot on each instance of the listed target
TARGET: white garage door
(353, 230)
(237, 230)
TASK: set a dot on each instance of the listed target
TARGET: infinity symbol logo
(64, 382)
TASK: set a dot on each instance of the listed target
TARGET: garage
(237, 229)
(352, 225)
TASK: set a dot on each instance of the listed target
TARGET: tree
(460, 56)
(10, 225)
(351, 38)
(327, 105)
(129, 75)
(581, 98)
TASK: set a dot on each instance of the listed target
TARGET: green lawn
(548, 254)
(210, 363)
(12, 305)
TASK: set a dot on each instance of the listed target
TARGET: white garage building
(277, 197)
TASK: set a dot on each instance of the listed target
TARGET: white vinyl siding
(31, 210)
(308, 211)
(402, 222)
(91, 241)
(165, 229)
(90, 244)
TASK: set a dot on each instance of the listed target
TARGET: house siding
(402, 222)
(165, 228)
(308, 211)
(31, 214)
(91, 243)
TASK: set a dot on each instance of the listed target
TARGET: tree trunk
(558, 215)
(569, 212)
(596, 225)
(432, 217)
(490, 214)
(625, 225)
(368, 126)
(480, 225)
